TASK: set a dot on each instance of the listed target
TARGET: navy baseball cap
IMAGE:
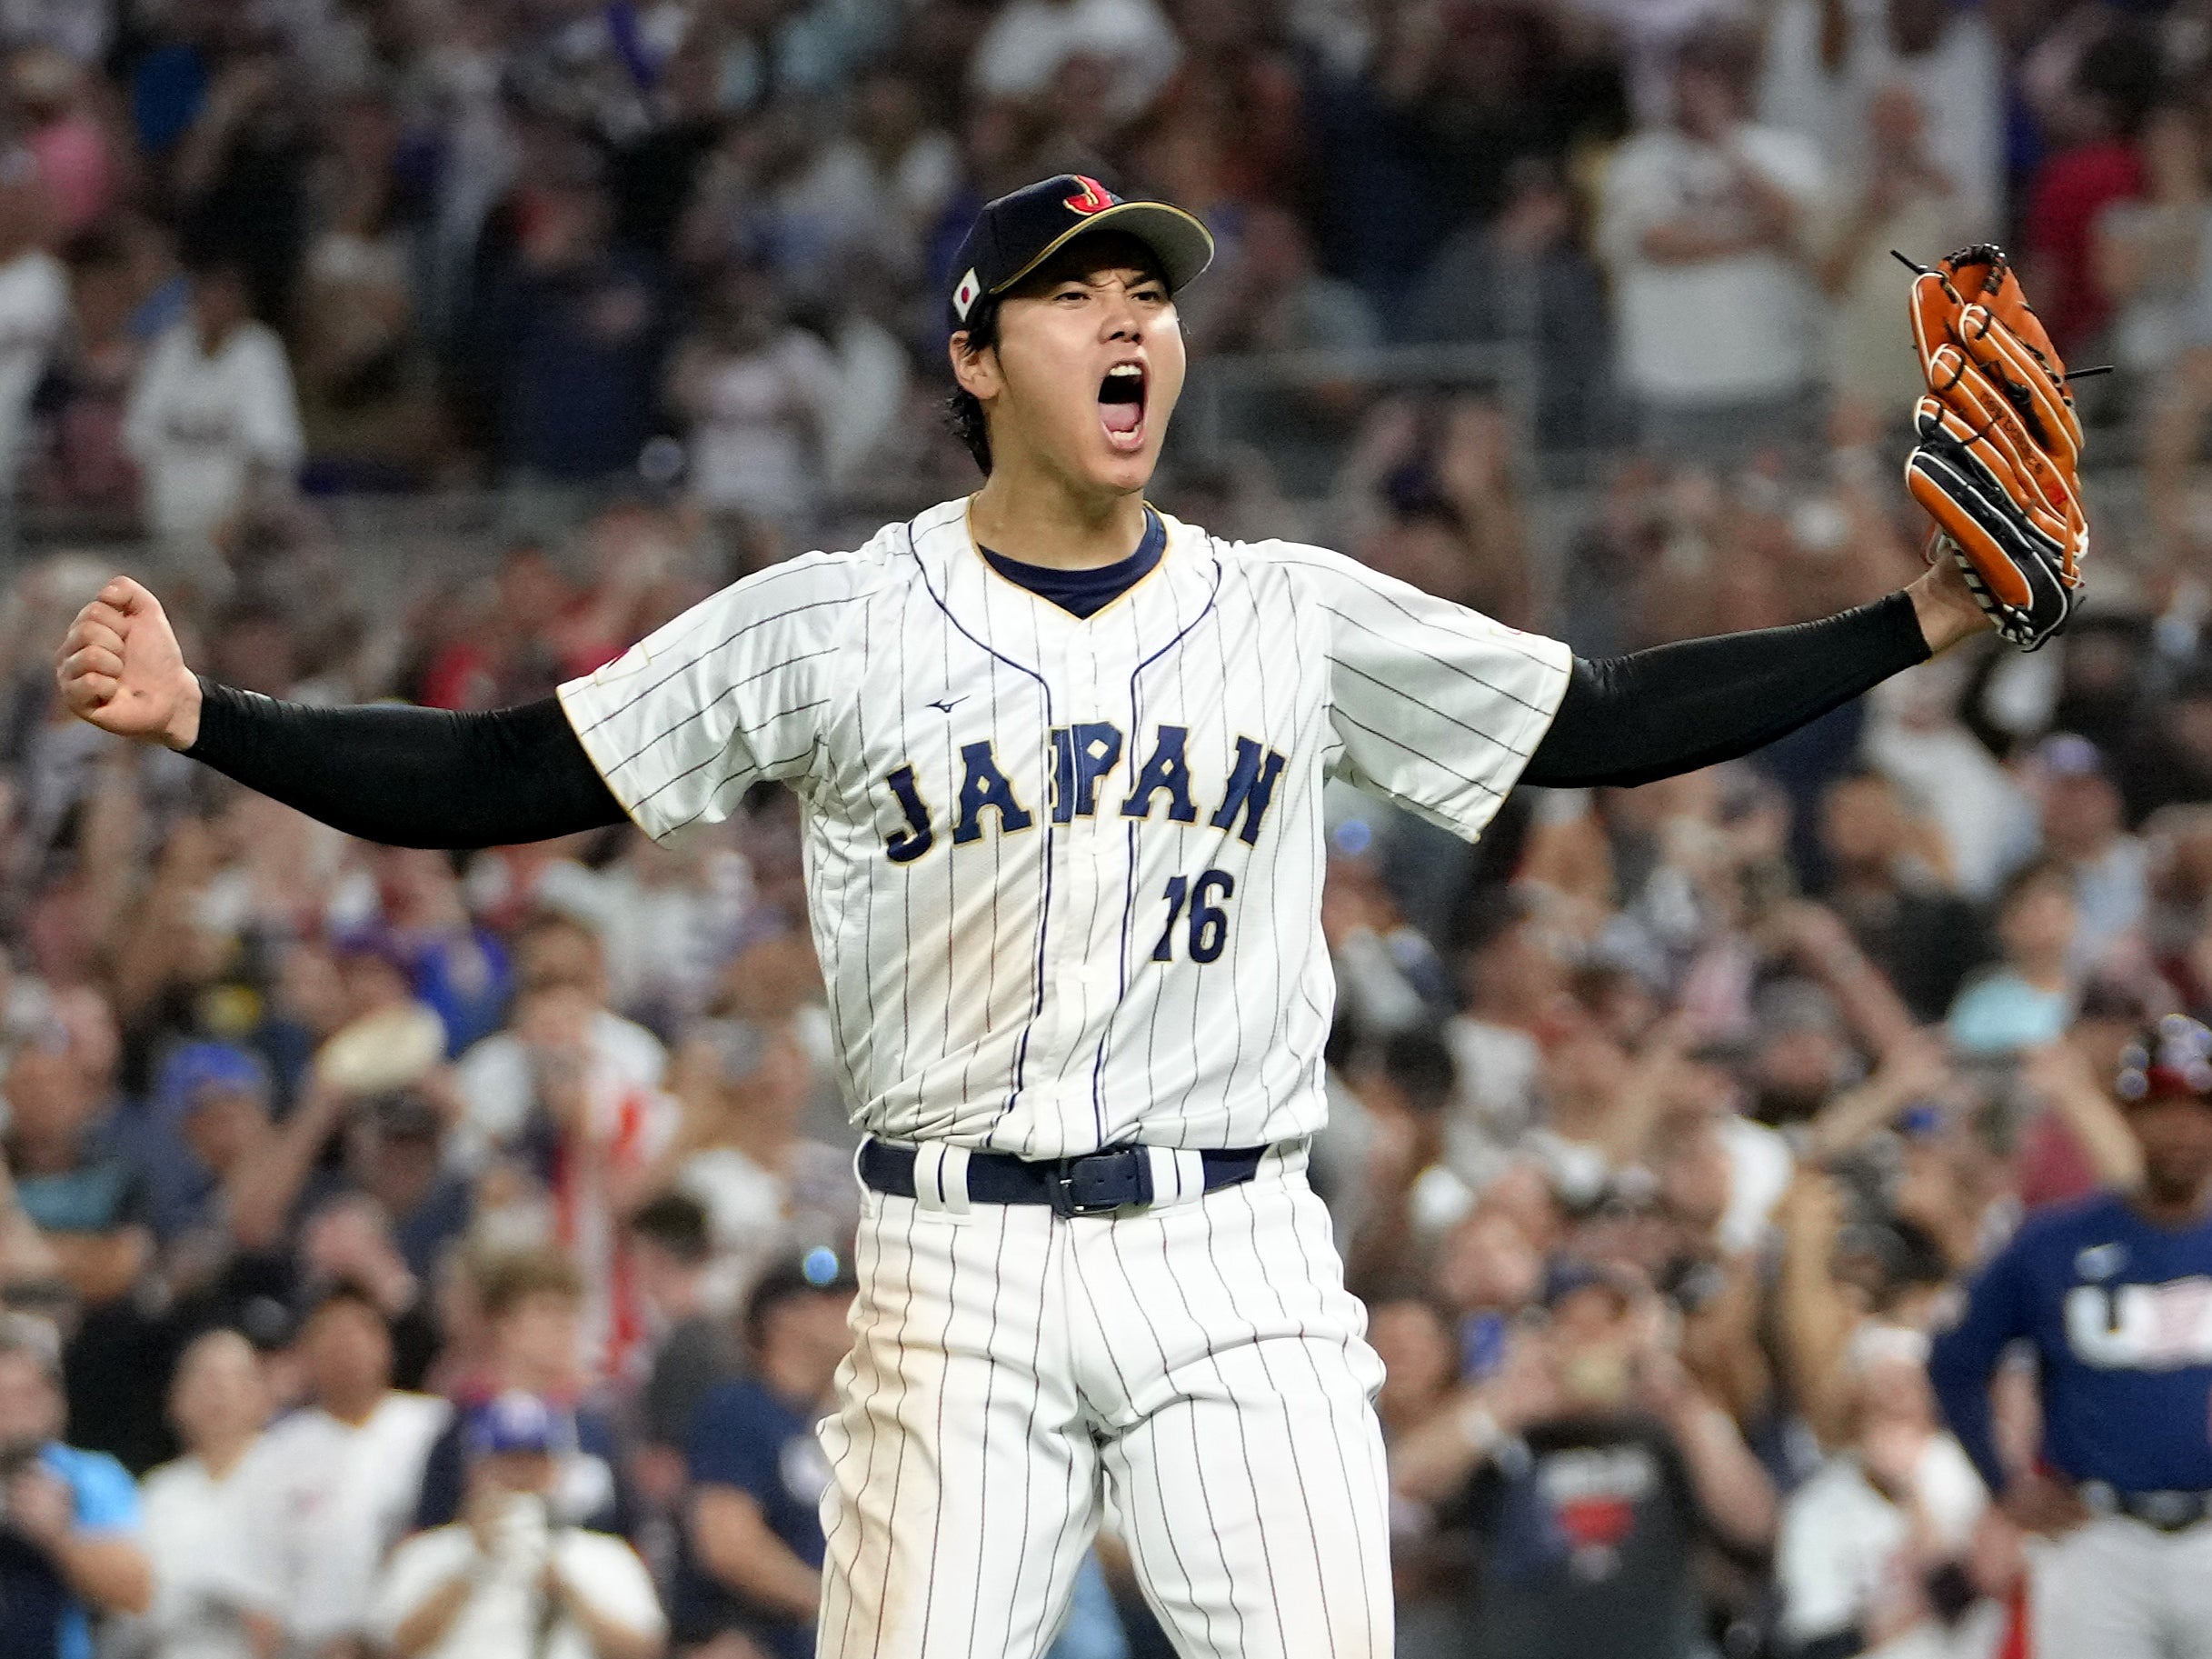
(197, 1070)
(514, 1421)
(1020, 230)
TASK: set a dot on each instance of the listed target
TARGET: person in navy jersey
(2113, 1297)
(753, 1541)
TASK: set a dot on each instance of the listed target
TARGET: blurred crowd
(412, 1255)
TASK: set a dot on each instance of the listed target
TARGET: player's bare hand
(2049, 1508)
(119, 667)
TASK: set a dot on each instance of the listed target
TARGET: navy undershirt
(1084, 593)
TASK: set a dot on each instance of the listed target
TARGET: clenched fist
(119, 667)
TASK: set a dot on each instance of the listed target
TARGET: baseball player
(1061, 760)
(2113, 1296)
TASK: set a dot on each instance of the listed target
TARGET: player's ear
(976, 372)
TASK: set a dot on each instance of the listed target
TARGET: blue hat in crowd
(514, 1421)
(196, 1068)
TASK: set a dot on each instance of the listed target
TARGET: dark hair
(963, 409)
(677, 1223)
(788, 1281)
(1420, 1062)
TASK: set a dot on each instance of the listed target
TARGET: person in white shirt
(1875, 1548)
(503, 1582)
(330, 1488)
(1706, 223)
(1030, 42)
(206, 1602)
(212, 414)
(562, 1024)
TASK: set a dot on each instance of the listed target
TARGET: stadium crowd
(423, 1255)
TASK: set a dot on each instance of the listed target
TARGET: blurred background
(438, 348)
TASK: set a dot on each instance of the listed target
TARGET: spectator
(206, 1597)
(69, 1550)
(532, 1304)
(560, 1025)
(2084, 827)
(1581, 1483)
(1271, 298)
(1905, 196)
(1886, 884)
(693, 1349)
(753, 1542)
(87, 1197)
(572, 331)
(2028, 999)
(213, 419)
(1705, 225)
(76, 167)
(740, 1149)
(1032, 42)
(759, 392)
(2148, 252)
(1875, 1553)
(506, 1582)
(2093, 163)
(330, 1488)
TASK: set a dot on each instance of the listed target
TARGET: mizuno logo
(945, 703)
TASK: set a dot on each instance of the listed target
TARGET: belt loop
(1169, 1180)
(1179, 1174)
(941, 1177)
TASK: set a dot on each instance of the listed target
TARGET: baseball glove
(1999, 445)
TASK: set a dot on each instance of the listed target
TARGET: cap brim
(1183, 247)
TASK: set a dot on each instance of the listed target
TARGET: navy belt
(1116, 1179)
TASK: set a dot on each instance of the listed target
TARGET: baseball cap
(514, 1422)
(1022, 229)
(195, 1069)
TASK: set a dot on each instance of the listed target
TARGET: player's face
(2176, 1140)
(1088, 366)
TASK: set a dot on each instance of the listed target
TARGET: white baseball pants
(2113, 1588)
(1197, 1368)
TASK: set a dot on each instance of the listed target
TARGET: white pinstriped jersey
(1065, 874)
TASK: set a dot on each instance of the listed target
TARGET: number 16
(1208, 921)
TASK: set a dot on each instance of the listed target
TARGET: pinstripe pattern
(1198, 1371)
(1034, 983)
(1003, 992)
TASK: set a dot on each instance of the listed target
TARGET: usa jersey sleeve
(1998, 1311)
(1434, 705)
(730, 693)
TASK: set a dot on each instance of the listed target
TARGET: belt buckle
(1099, 1183)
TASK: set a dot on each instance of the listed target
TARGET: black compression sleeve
(1672, 709)
(410, 777)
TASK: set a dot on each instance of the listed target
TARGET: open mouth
(1122, 405)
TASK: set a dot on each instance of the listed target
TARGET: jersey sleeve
(729, 694)
(1435, 706)
(1997, 1311)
